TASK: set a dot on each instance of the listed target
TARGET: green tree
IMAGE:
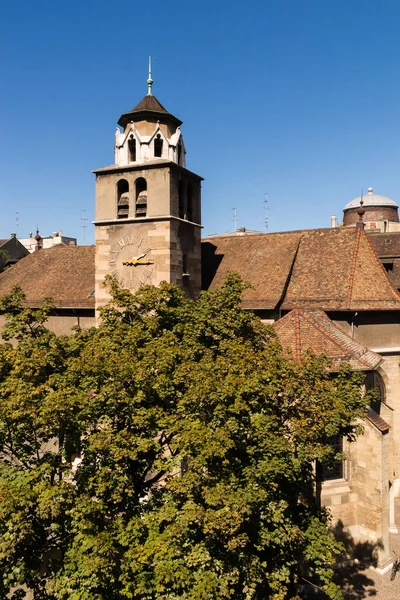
(196, 440)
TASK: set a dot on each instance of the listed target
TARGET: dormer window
(158, 145)
(132, 149)
(123, 199)
(141, 197)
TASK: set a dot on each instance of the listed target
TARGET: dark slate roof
(327, 269)
(301, 330)
(149, 106)
(63, 273)
(386, 244)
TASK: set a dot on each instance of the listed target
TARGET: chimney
(333, 221)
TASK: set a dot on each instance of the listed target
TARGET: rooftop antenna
(266, 212)
(84, 219)
(149, 81)
(235, 218)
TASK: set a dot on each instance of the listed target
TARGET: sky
(297, 99)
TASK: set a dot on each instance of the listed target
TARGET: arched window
(123, 199)
(158, 144)
(132, 148)
(141, 197)
(375, 384)
(190, 202)
(335, 468)
(181, 193)
(179, 153)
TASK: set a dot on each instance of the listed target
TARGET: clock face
(131, 262)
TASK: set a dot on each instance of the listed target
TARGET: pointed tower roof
(149, 108)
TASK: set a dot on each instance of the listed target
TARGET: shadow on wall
(356, 558)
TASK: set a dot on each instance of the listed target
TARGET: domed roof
(371, 199)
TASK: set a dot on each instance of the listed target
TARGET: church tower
(148, 205)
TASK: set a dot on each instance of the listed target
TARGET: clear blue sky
(297, 98)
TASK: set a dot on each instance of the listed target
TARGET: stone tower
(148, 205)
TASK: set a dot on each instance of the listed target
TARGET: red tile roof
(63, 273)
(301, 330)
(329, 269)
(264, 261)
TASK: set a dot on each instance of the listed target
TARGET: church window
(181, 193)
(123, 199)
(132, 149)
(190, 202)
(158, 145)
(335, 468)
(375, 384)
(141, 197)
(179, 153)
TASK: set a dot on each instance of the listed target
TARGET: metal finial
(149, 81)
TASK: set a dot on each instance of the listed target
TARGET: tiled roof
(149, 105)
(63, 273)
(376, 420)
(337, 269)
(386, 244)
(301, 330)
(262, 260)
(328, 269)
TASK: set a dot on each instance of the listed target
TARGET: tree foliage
(167, 454)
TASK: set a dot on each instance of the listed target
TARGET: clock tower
(148, 205)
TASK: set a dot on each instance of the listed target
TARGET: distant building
(48, 241)
(380, 213)
(12, 251)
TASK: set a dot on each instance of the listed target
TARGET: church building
(332, 290)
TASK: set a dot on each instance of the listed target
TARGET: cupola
(149, 133)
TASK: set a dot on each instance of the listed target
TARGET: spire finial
(149, 81)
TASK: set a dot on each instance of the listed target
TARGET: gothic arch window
(158, 145)
(335, 468)
(132, 148)
(141, 197)
(375, 384)
(123, 199)
(190, 202)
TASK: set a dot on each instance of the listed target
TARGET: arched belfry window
(123, 199)
(375, 384)
(158, 144)
(141, 197)
(132, 148)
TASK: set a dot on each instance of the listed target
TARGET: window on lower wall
(335, 468)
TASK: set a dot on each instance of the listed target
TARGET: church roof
(337, 269)
(328, 269)
(302, 330)
(371, 199)
(262, 260)
(149, 106)
(63, 273)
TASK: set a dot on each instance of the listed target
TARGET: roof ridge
(382, 269)
(353, 266)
